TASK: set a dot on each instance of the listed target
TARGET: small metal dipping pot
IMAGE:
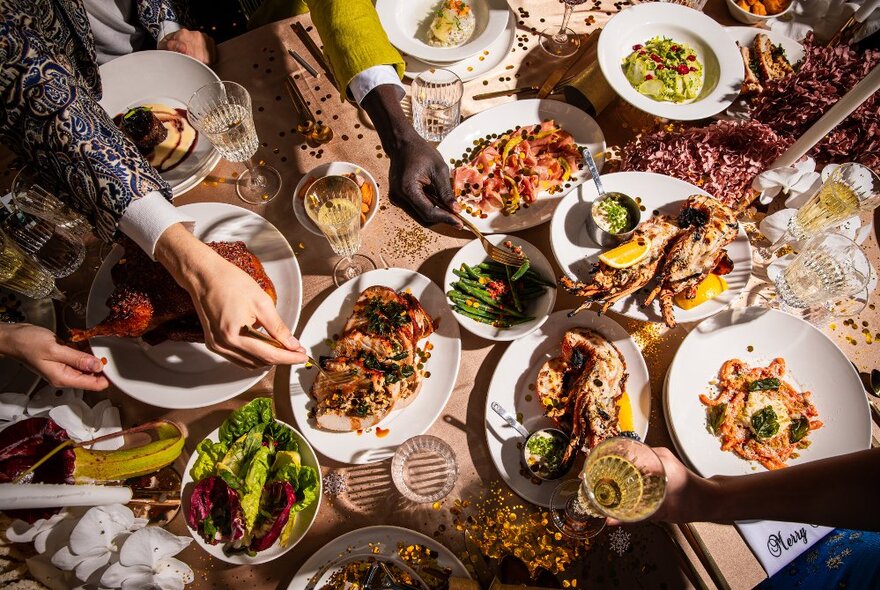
(607, 239)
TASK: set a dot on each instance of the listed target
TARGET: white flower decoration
(48, 397)
(94, 540)
(147, 561)
(83, 422)
(37, 533)
(798, 182)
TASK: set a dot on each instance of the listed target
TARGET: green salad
(251, 483)
(664, 70)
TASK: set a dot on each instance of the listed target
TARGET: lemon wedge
(709, 288)
(627, 254)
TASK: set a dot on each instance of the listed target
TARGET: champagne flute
(830, 268)
(223, 112)
(622, 478)
(849, 189)
(19, 273)
(562, 42)
(334, 204)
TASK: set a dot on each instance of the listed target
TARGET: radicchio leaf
(278, 498)
(24, 443)
(215, 511)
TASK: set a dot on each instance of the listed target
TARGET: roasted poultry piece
(707, 227)
(610, 284)
(379, 347)
(763, 63)
(147, 302)
(580, 388)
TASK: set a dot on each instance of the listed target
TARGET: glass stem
(257, 179)
(562, 35)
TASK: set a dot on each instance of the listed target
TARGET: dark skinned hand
(419, 177)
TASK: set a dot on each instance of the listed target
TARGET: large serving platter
(14, 376)
(304, 518)
(757, 335)
(722, 65)
(186, 374)
(500, 119)
(161, 77)
(512, 387)
(328, 319)
(380, 541)
(576, 253)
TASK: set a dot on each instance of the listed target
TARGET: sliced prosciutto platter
(511, 165)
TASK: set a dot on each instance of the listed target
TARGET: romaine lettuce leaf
(234, 465)
(286, 467)
(209, 454)
(307, 488)
(242, 420)
(282, 435)
(257, 473)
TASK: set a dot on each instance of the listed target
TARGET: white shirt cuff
(145, 219)
(167, 27)
(363, 83)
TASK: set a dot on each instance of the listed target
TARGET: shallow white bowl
(328, 169)
(722, 64)
(744, 16)
(472, 254)
(407, 24)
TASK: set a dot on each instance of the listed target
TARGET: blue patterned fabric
(51, 118)
(843, 559)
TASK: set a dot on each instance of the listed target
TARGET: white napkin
(776, 544)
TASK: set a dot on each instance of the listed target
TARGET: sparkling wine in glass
(562, 42)
(334, 204)
(223, 112)
(57, 250)
(19, 273)
(829, 268)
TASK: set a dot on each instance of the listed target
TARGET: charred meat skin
(147, 302)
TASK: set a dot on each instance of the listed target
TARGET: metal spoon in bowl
(527, 436)
(599, 235)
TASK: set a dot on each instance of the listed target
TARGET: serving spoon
(526, 436)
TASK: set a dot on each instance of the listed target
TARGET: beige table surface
(259, 61)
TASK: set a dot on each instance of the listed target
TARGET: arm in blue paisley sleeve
(154, 14)
(52, 120)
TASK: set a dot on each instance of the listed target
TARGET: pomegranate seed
(642, 53)
(656, 57)
(637, 46)
(674, 48)
(661, 67)
(649, 77)
(693, 69)
(692, 58)
(683, 69)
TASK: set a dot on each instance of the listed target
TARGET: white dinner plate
(363, 541)
(14, 376)
(472, 254)
(722, 65)
(331, 168)
(512, 386)
(407, 28)
(745, 36)
(304, 518)
(474, 66)
(401, 424)
(187, 374)
(757, 336)
(576, 252)
(161, 77)
(584, 129)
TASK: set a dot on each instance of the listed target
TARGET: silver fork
(500, 256)
(340, 378)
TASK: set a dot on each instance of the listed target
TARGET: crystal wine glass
(334, 204)
(19, 273)
(562, 42)
(29, 196)
(436, 103)
(223, 112)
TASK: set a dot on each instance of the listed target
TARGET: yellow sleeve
(353, 38)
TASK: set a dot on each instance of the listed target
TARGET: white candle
(840, 111)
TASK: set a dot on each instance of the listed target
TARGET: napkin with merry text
(776, 544)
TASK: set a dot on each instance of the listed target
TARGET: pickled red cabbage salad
(665, 70)
(251, 483)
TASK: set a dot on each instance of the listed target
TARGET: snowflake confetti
(335, 484)
(619, 541)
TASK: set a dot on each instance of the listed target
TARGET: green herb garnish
(765, 384)
(765, 423)
(385, 317)
(798, 429)
(716, 417)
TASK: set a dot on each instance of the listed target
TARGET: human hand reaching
(227, 299)
(60, 365)
(195, 44)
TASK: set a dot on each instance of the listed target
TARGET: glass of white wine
(334, 204)
(223, 112)
(829, 269)
(622, 479)
(21, 274)
(849, 189)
